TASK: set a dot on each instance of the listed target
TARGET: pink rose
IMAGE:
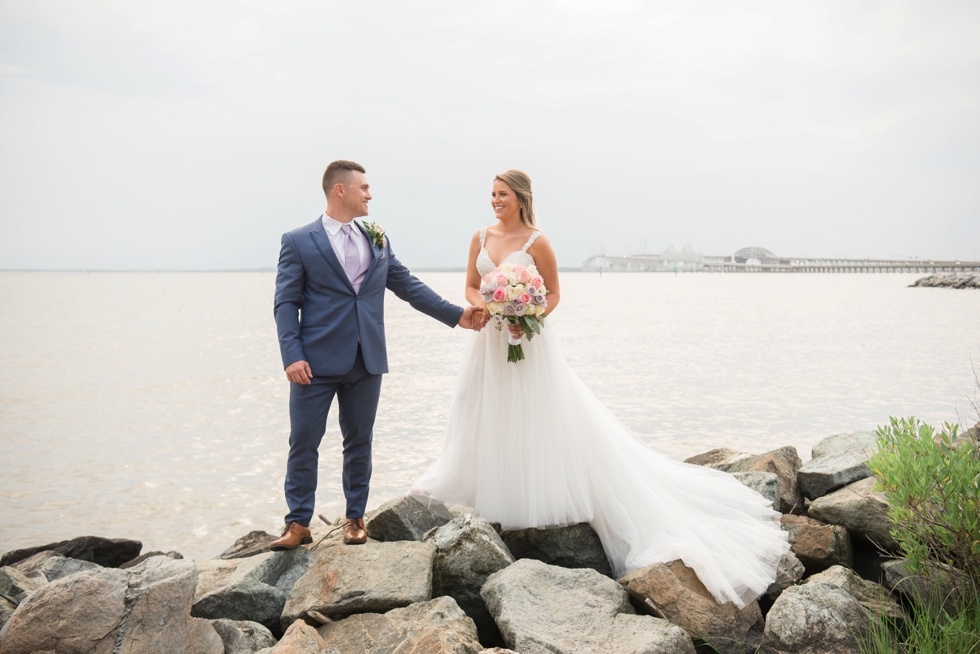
(500, 295)
(537, 282)
(524, 276)
(501, 280)
(524, 298)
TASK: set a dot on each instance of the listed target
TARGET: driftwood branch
(653, 609)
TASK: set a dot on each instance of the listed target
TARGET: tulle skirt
(529, 445)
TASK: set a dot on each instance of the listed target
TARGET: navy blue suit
(340, 333)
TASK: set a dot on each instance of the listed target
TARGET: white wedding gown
(529, 445)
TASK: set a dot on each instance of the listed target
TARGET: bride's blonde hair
(520, 183)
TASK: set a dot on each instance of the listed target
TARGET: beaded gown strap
(483, 236)
(531, 240)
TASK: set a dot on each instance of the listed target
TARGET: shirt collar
(332, 226)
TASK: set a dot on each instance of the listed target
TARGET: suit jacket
(319, 317)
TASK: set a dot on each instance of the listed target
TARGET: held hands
(299, 373)
(474, 317)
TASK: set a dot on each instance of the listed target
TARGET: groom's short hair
(339, 172)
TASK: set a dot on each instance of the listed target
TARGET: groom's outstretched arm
(410, 288)
(290, 283)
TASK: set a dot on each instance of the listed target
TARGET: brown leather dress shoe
(354, 532)
(293, 535)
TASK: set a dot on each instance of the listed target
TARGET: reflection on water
(153, 406)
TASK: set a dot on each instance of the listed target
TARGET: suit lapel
(322, 242)
(375, 252)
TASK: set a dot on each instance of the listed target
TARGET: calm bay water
(153, 406)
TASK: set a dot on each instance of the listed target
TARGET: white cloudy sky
(176, 134)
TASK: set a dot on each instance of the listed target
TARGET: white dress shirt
(337, 240)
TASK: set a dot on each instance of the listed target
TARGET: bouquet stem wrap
(515, 352)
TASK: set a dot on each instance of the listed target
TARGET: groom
(329, 310)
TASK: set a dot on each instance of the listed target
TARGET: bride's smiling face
(504, 201)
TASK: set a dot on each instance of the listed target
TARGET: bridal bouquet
(516, 294)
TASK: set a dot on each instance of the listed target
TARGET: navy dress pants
(357, 396)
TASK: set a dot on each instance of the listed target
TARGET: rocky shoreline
(442, 580)
(949, 280)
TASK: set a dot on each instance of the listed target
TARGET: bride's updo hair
(520, 183)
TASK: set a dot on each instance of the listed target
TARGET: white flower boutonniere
(376, 232)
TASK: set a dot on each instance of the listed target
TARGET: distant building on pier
(757, 259)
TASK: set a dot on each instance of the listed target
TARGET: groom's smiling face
(357, 194)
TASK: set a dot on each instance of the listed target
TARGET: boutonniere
(376, 232)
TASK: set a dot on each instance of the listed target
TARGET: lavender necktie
(352, 260)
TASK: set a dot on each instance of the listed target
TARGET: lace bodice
(484, 264)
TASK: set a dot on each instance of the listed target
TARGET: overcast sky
(178, 134)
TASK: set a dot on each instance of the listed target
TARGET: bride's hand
(515, 330)
(481, 316)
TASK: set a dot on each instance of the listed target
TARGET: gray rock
(15, 585)
(788, 573)
(142, 557)
(300, 638)
(861, 510)
(57, 567)
(252, 589)
(7, 608)
(784, 462)
(242, 636)
(158, 611)
(548, 609)
(816, 544)
(405, 518)
(936, 586)
(468, 550)
(438, 626)
(252, 543)
(814, 619)
(676, 590)
(80, 613)
(869, 594)
(574, 546)
(763, 483)
(837, 461)
(31, 566)
(369, 578)
(107, 552)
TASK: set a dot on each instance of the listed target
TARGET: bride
(529, 445)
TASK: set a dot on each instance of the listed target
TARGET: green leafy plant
(932, 482)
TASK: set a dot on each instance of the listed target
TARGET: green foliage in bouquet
(932, 482)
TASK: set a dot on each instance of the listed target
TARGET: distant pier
(760, 260)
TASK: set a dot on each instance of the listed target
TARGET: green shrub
(932, 482)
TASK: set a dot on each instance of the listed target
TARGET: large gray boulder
(142, 557)
(837, 461)
(370, 578)
(861, 510)
(15, 585)
(438, 626)
(814, 618)
(574, 546)
(763, 483)
(816, 544)
(788, 573)
(242, 636)
(7, 608)
(869, 594)
(143, 610)
(784, 462)
(544, 609)
(405, 518)
(253, 589)
(79, 614)
(107, 552)
(676, 590)
(468, 550)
